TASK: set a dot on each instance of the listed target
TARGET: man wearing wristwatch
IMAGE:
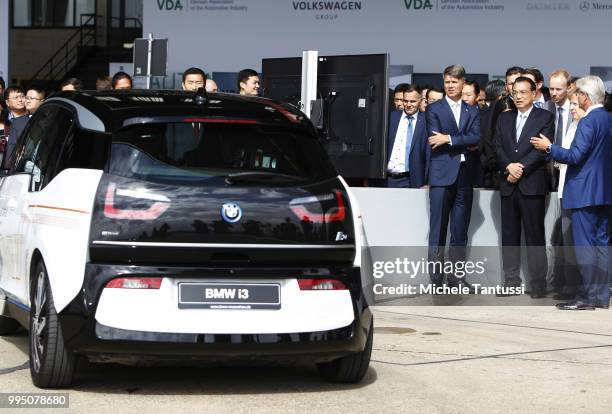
(588, 193)
(523, 186)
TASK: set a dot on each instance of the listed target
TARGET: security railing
(68, 55)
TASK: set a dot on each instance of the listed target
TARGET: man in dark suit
(18, 117)
(452, 126)
(588, 193)
(536, 75)
(523, 186)
(406, 143)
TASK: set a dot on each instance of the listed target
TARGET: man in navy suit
(523, 186)
(452, 126)
(588, 193)
(406, 143)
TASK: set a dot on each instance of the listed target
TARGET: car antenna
(201, 97)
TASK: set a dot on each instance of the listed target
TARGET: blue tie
(409, 141)
(538, 104)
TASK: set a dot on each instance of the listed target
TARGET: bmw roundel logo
(231, 212)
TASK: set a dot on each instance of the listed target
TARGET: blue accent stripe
(18, 304)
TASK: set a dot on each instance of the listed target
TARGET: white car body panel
(14, 196)
(55, 221)
(156, 310)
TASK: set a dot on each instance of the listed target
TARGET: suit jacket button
(515, 150)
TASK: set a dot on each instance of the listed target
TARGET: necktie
(409, 141)
(538, 104)
(519, 127)
(559, 131)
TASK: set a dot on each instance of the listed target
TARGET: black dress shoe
(575, 305)
(601, 306)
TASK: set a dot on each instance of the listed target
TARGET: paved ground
(425, 360)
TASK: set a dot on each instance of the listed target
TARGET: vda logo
(418, 4)
(169, 4)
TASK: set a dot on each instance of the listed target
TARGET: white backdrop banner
(4, 41)
(486, 36)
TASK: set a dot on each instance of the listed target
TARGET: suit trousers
(591, 243)
(518, 209)
(566, 277)
(403, 182)
(452, 202)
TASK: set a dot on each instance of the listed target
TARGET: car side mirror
(28, 167)
(31, 168)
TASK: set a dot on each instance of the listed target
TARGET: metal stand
(310, 61)
(149, 54)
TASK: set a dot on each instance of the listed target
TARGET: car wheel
(351, 368)
(8, 326)
(51, 364)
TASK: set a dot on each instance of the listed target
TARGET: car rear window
(189, 153)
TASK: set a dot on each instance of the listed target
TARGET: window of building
(50, 13)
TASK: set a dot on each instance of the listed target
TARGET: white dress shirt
(565, 115)
(456, 110)
(568, 138)
(520, 122)
(397, 161)
(593, 107)
(541, 101)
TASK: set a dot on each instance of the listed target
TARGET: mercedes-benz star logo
(585, 5)
(231, 212)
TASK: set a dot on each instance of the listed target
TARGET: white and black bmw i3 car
(172, 225)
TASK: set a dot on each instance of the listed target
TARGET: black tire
(350, 369)
(8, 326)
(51, 364)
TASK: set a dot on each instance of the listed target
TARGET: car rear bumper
(85, 335)
(118, 345)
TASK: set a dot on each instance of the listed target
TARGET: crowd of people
(17, 104)
(524, 140)
(516, 136)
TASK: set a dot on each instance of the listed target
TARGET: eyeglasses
(31, 98)
(520, 93)
(19, 97)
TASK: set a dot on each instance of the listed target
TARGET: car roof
(107, 111)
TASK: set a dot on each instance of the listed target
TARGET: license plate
(229, 295)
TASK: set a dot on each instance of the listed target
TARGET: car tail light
(159, 204)
(321, 284)
(299, 206)
(223, 121)
(135, 283)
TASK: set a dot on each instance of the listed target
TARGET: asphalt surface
(425, 360)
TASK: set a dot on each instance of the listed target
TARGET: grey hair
(593, 87)
(456, 71)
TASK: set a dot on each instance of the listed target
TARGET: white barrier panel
(400, 218)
